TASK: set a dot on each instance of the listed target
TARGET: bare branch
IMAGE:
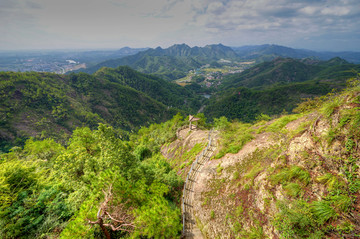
(120, 219)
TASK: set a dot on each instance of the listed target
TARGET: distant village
(208, 76)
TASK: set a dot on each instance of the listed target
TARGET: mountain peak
(216, 46)
(180, 45)
(337, 61)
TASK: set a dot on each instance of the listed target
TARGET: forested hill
(272, 87)
(161, 90)
(50, 105)
(288, 70)
(170, 63)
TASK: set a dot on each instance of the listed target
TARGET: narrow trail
(190, 229)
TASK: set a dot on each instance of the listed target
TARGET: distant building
(71, 62)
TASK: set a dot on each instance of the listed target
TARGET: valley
(207, 75)
(107, 153)
(180, 119)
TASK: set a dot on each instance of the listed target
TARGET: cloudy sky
(67, 24)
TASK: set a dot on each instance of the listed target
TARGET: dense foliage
(49, 105)
(48, 190)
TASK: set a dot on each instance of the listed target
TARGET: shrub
(322, 211)
(342, 202)
(221, 123)
(287, 174)
(295, 220)
(330, 180)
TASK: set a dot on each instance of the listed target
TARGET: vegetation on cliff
(297, 177)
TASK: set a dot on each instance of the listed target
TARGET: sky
(325, 25)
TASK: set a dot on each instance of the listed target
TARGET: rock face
(243, 198)
(274, 186)
(212, 188)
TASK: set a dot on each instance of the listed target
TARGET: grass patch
(345, 227)
(188, 157)
(206, 201)
(239, 210)
(212, 215)
(296, 220)
(234, 137)
(219, 169)
(293, 173)
(236, 175)
(254, 172)
(323, 211)
(255, 233)
(280, 123)
(329, 107)
(293, 189)
(331, 181)
(342, 202)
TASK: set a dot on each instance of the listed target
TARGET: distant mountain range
(174, 62)
(268, 52)
(170, 63)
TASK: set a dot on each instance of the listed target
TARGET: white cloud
(115, 23)
(216, 8)
(336, 11)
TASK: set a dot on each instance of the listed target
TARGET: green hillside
(247, 104)
(276, 86)
(48, 105)
(167, 67)
(288, 70)
(168, 93)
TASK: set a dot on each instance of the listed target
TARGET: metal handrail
(189, 176)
